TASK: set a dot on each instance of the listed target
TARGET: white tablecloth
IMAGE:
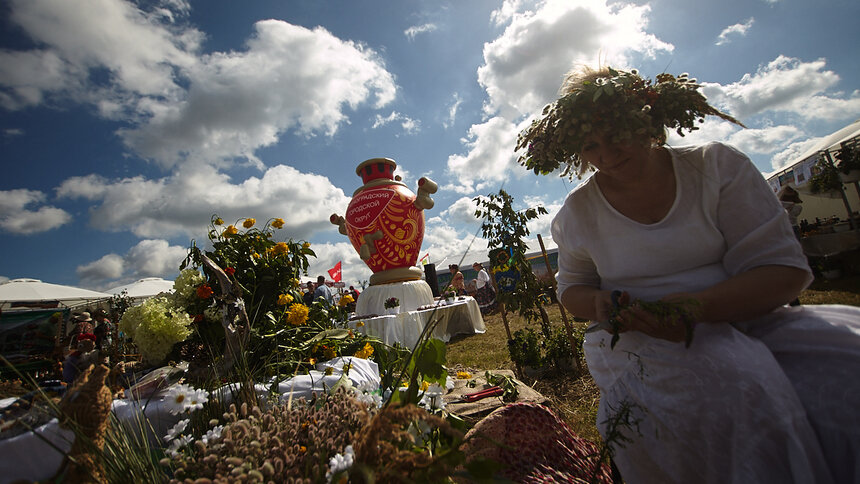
(411, 294)
(460, 317)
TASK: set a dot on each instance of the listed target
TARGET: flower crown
(622, 106)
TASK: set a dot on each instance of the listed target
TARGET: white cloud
(181, 204)
(409, 125)
(523, 68)
(155, 258)
(20, 213)
(148, 258)
(786, 85)
(792, 153)
(461, 212)
(490, 152)
(452, 111)
(109, 267)
(290, 77)
(178, 103)
(736, 29)
(506, 12)
(79, 36)
(414, 30)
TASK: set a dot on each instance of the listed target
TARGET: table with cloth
(826, 245)
(462, 316)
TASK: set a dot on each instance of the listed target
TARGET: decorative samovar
(385, 221)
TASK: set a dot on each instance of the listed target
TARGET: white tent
(35, 293)
(144, 288)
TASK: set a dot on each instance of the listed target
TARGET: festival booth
(33, 293)
(385, 224)
(143, 289)
(826, 178)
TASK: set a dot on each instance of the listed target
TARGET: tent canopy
(32, 292)
(146, 287)
(828, 143)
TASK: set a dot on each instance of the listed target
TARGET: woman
(485, 296)
(458, 282)
(762, 393)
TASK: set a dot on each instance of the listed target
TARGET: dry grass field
(574, 396)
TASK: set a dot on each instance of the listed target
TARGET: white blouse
(725, 220)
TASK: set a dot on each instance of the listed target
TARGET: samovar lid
(376, 168)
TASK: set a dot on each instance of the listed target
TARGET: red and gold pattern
(401, 224)
(385, 221)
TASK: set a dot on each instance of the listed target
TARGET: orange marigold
(284, 299)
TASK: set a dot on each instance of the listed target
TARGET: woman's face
(613, 159)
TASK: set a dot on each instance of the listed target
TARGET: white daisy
(177, 399)
(196, 399)
(177, 430)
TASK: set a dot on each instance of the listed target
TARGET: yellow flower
(278, 223)
(359, 324)
(281, 248)
(284, 299)
(219, 221)
(364, 352)
(463, 375)
(329, 353)
(295, 282)
(297, 315)
(425, 385)
(230, 230)
(345, 299)
(255, 255)
(329, 370)
(306, 245)
(249, 222)
(312, 361)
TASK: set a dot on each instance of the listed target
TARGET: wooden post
(567, 325)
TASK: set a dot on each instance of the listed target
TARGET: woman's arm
(588, 302)
(747, 295)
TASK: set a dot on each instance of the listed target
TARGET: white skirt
(773, 400)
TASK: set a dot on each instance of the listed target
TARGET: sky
(125, 126)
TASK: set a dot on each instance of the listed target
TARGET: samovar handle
(340, 222)
(426, 186)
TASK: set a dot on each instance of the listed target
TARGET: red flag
(334, 272)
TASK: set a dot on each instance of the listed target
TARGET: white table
(460, 317)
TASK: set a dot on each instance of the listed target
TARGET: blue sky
(125, 125)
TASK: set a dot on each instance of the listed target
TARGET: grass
(574, 396)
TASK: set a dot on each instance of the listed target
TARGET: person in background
(83, 324)
(485, 295)
(684, 260)
(458, 282)
(103, 330)
(323, 291)
(308, 296)
(790, 200)
(82, 356)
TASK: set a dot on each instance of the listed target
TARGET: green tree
(506, 228)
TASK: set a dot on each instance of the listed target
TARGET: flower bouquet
(392, 304)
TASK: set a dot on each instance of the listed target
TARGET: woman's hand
(670, 326)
